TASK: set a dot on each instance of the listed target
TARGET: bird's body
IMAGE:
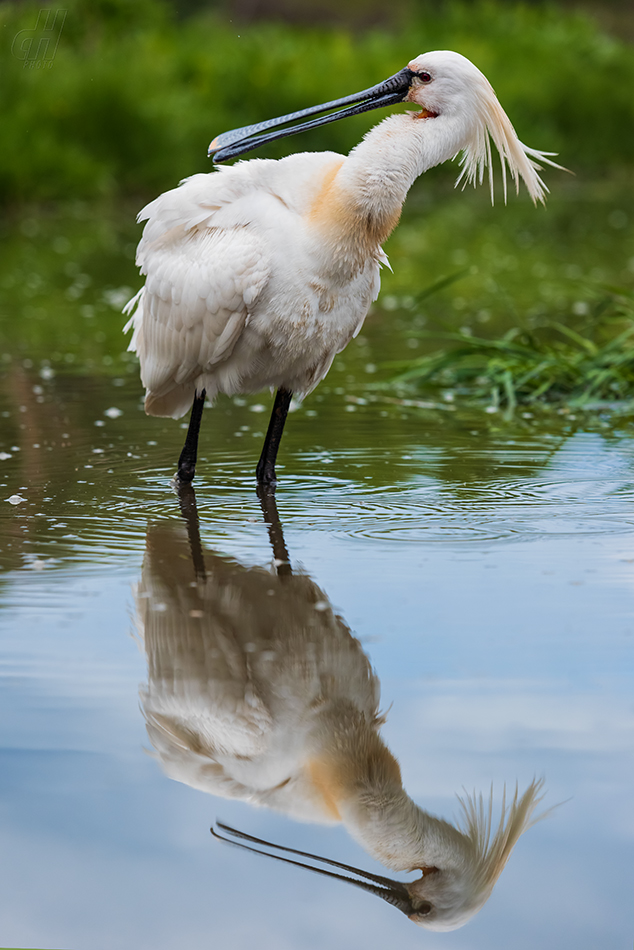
(242, 293)
(246, 673)
(258, 691)
(257, 275)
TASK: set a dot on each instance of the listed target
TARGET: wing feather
(201, 281)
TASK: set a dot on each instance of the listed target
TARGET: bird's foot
(265, 475)
(185, 473)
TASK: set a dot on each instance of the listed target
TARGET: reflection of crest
(257, 690)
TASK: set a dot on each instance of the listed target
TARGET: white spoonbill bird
(257, 275)
(257, 691)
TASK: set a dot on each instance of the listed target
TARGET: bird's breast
(344, 218)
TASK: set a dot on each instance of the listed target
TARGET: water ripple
(555, 502)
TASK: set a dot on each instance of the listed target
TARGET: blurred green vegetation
(133, 95)
(65, 274)
(552, 362)
(136, 90)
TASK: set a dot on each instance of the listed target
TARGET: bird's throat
(345, 217)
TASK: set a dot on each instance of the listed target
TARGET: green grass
(548, 363)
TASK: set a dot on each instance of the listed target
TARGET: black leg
(187, 460)
(189, 511)
(266, 494)
(265, 472)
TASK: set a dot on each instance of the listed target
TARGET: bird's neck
(401, 835)
(360, 199)
(359, 779)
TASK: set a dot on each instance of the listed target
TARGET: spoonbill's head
(468, 864)
(469, 861)
(447, 897)
(446, 84)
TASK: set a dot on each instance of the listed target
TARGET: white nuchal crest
(521, 161)
(492, 848)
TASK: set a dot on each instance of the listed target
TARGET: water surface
(484, 565)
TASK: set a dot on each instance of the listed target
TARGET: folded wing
(203, 277)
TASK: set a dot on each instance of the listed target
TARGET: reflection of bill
(257, 690)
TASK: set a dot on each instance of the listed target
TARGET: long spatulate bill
(394, 892)
(238, 141)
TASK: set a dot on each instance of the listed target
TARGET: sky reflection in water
(489, 583)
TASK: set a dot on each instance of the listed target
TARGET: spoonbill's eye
(424, 909)
(424, 77)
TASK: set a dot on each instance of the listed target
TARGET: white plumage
(258, 274)
(258, 691)
(239, 294)
(242, 667)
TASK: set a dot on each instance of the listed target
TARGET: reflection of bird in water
(258, 691)
(258, 275)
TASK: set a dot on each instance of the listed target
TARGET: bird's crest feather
(520, 160)
(492, 848)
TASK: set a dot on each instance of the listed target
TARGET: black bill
(394, 892)
(238, 141)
